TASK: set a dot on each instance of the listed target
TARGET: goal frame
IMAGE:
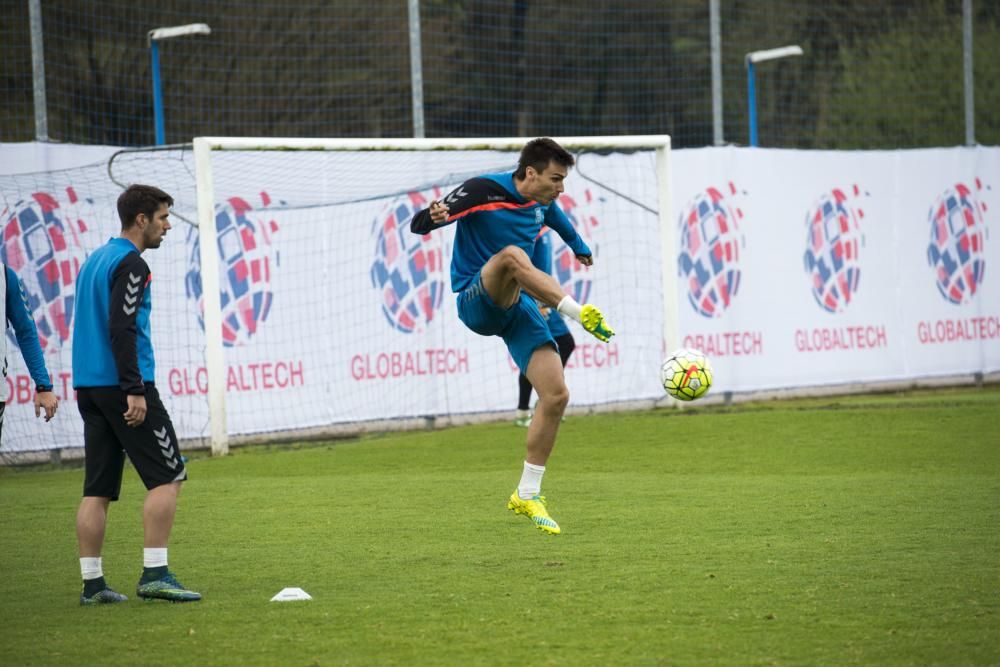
(204, 146)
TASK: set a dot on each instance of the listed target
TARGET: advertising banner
(795, 269)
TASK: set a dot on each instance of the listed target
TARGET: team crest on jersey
(539, 215)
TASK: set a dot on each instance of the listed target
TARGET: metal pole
(416, 69)
(715, 37)
(154, 54)
(752, 102)
(970, 102)
(38, 71)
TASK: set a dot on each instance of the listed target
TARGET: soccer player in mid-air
(499, 217)
(113, 373)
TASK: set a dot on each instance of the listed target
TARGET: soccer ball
(686, 374)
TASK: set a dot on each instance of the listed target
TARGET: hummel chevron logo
(133, 289)
(163, 439)
(456, 195)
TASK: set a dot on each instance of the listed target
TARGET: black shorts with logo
(151, 446)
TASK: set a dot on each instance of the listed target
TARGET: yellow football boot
(534, 509)
(593, 321)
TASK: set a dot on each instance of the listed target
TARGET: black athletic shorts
(151, 446)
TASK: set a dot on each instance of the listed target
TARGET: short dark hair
(538, 153)
(140, 199)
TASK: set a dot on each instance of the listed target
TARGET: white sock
(570, 308)
(531, 481)
(154, 557)
(91, 568)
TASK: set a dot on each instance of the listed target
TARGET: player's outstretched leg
(534, 508)
(593, 321)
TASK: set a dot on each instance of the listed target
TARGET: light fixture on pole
(152, 38)
(756, 57)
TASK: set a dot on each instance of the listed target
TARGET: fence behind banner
(873, 74)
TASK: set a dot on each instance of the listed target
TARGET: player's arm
(461, 201)
(19, 316)
(557, 220)
(128, 286)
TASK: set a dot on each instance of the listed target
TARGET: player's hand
(586, 260)
(544, 310)
(47, 401)
(439, 212)
(136, 413)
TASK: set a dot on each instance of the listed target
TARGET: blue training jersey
(111, 338)
(493, 215)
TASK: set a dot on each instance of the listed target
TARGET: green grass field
(842, 531)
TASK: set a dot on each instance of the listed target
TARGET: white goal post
(204, 147)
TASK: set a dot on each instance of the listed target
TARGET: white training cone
(289, 594)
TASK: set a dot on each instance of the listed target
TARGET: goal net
(290, 298)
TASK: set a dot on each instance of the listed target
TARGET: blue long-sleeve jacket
(19, 318)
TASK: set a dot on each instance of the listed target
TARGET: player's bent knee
(513, 258)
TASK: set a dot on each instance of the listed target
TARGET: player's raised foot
(166, 588)
(534, 509)
(593, 321)
(103, 596)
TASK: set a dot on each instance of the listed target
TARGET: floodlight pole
(153, 37)
(756, 57)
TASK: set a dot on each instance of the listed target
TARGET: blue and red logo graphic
(710, 242)
(408, 270)
(41, 243)
(248, 258)
(573, 276)
(956, 249)
(833, 245)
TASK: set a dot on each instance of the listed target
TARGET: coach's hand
(586, 260)
(136, 413)
(48, 401)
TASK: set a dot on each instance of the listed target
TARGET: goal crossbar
(652, 141)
